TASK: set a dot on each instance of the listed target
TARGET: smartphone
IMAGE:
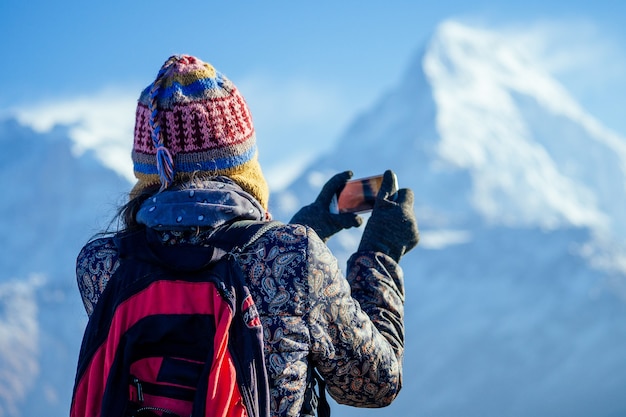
(358, 196)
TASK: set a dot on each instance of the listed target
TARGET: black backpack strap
(246, 338)
(229, 238)
(315, 403)
(236, 236)
(323, 409)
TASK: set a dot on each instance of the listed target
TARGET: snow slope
(516, 295)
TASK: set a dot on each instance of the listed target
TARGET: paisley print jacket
(350, 328)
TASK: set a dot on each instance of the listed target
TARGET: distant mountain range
(516, 295)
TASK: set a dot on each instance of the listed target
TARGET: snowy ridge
(524, 170)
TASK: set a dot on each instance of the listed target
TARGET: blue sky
(306, 68)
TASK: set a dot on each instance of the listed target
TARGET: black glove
(318, 216)
(392, 227)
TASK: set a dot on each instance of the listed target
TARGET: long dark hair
(125, 219)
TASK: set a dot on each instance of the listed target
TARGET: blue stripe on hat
(206, 164)
(181, 93)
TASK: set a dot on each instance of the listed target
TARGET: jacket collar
(206, 204)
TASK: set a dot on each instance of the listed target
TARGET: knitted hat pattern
(193, 122)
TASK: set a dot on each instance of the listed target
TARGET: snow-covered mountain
(52, 202)
(516, 296)
(475, 127)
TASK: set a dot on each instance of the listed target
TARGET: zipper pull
(139, 389)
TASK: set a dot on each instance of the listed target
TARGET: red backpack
(175, 333)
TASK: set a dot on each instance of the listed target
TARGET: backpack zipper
(137, 383)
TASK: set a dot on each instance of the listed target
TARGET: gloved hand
(318, 216)
(392, 227)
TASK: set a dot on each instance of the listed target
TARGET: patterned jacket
(350, 328)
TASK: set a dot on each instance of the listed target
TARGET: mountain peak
(480, 63)
(535, 157)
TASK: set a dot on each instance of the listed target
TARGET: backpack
(175, 333)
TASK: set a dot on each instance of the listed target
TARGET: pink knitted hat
(192, 120)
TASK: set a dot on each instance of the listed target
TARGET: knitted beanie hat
(192, 121)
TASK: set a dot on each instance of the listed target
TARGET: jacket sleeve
(357, 325)
(95, 264)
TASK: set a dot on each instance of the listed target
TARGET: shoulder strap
(246, 337)
(229, 238)
(315, 402)
(323, 408)
(241, 234)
